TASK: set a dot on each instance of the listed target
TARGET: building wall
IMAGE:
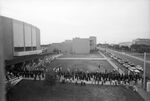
(81, 46)
(128, 44)
(27, 29)
(18, 33)
(18, 37)
(67, 46)
(53, 46)
(2, 71)
(38, 42)
(7, 37)
(76, 46)
(141, 41)
(34, 37)
(92, 43)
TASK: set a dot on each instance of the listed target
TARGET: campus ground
(28, 90)
(93, 55)
(133, 60)
(82, 65)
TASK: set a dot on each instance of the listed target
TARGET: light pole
(105, 46)
(144, 74)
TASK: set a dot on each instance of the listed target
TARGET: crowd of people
(36, 71)
(111, 78)
(32, 69)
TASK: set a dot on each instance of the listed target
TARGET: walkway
(81, 58)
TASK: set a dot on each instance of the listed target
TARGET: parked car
(136, 71)
(139, 67)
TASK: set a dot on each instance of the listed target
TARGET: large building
(92, 42)
(81, 45)
(75, 46)
(128, 44)
(19, 42)
(141, 42)
(19, 38)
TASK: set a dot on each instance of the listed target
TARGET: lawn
(94, 55)
(27, 90)
(82, 65)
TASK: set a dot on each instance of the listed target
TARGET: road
(133, 59)
(123, 53)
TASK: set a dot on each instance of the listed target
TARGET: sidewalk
(145, 95)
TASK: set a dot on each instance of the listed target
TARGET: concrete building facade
(92, 43)
(75, 46)
(81, 46)
(141, 42)
(19, 38)
(128, 44)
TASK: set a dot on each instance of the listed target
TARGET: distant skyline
(111, 21)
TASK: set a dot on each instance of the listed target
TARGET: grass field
(28, 90)
(94, 55)
(82, 65)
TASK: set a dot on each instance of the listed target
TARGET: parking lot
(129, 63)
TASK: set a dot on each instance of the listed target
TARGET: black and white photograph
(74, 50)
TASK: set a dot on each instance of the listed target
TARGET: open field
(82, 65)
(28, 90)
(95, 55)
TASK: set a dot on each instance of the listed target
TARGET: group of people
(111, 78)
(33, 69)
(77, 77)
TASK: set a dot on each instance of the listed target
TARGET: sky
(111, 21)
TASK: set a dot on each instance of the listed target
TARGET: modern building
(81, 46)
(92, 42)
(19, 42)
(19, 38)
(141, 41)
(128, 44)
(75, 46)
